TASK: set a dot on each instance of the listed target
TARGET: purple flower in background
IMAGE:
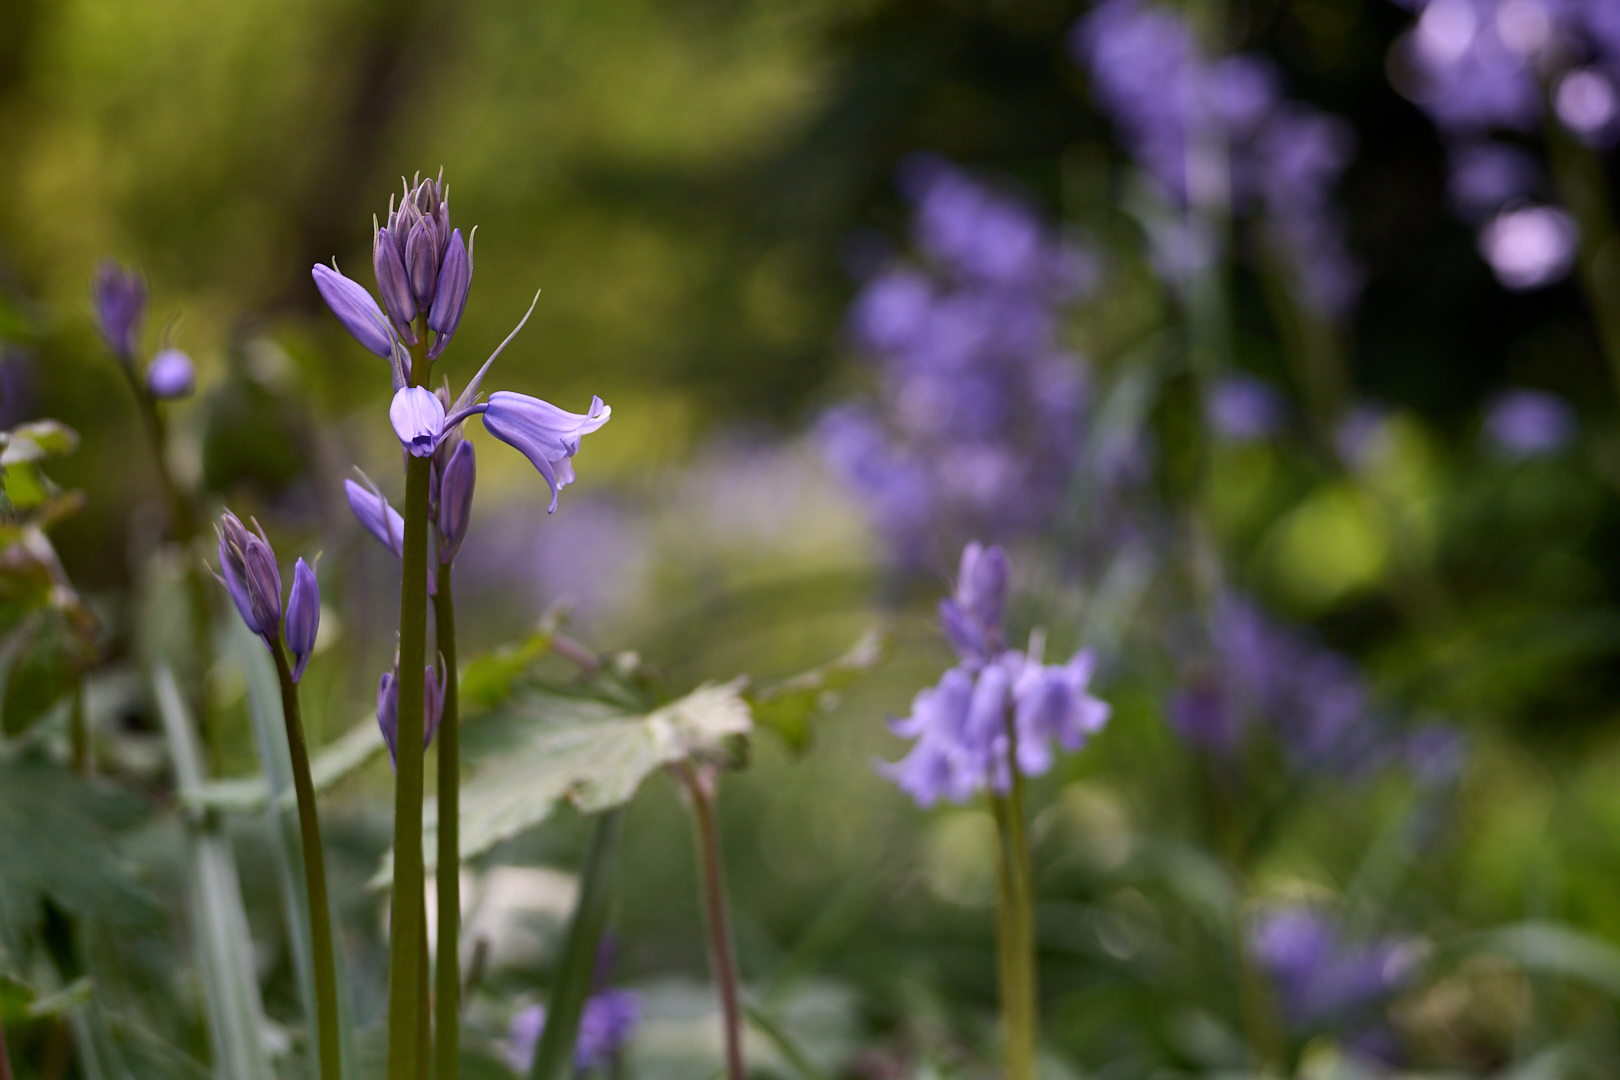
(1586, 104)
(388, 708)
(997, 700)
(1487, 176)
(1242, 408)
(605, 1026)
(1435, 753)
(119, 298)
(1529, 247)
(1322, 980)
(546, 435)
(303, 617)
(247, 569)
(1529, 423)
(170, 375)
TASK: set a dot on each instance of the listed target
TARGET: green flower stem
(447, 975)
(181, 517)
(5, 1058)
(1015, 934)
(406, 926)
(320, 911)
(700, 783)
(424, 1007)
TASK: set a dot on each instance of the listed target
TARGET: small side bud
(388, 709)
(355, 309)
(455, 500)
(450, 300)
(170, 375)
(303, 616)
(248, 571)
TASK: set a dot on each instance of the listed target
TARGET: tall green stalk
(320, 912)
(447, 974)
(1015, 934)
(408, 917)
(700, 783)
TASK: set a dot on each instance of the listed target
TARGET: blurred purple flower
(1435, 753)
(170, 375)
(1586, 104)
(1529, 247)
(1529, 423)
(1321, 980)
(119, 298)
(1242, 408)
(1359, 436)
(1486, 176)
(606, 1024)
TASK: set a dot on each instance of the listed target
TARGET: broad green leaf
(37, 440)
(488, 680)
(788, 707)
(43, 661)
(588, 752)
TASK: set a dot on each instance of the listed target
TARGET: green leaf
(488, 680)
(588, 752)
(54, 842)
(43, 661)
(38, 440)
(788, 707)
(1551, 949)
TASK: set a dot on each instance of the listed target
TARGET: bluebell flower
(303, 617)
(606, 1024)
(356, 310)
(119, 298)
(418, 418)
(388, 708)
(394, 284)
(247, 569)
(1523, 424)
(170, 375)
(1322, 981)
(546, 435)
(454, 282)
(1486, 176)
(971, 618)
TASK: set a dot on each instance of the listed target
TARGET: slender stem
(320, 911)
(5, 1058)
(181, 519)
(700, 783)
(424, 1008)
(573, 651)
(447, 975)
(404, 969)
(1015, 938)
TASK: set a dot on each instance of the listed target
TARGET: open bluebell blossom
(170, 375)
(247, 569)
(455, 495)
(999, 709)
(119, 298)
(418, 417)
(605, 1025)
(388, 708)
(356, 310)
(546, 435)
(303, 617)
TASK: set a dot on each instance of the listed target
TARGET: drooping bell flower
(455, 500)
(248, 571)
(170, 375)
(388, 708)
(119, 297)
(303, 616)
(356, 310)
(418, 418)
(546, 435)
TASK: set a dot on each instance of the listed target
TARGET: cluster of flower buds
(422, 265)
(388, 707)
(248, 570)
(119, 299)
(997, 710)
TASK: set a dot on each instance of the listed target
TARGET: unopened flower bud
(418, 417)
(120, 302)
(303, 616)
(355, 309)
(170, 375)
(248, 570)
(388, 709)
(422, 256)
(455, 500)
(394, 284)
(450, 299)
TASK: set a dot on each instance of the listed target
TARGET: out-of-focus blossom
(1242, 408)
(1487, 176)
(303, 617)
(606, 1024)
(546, 435)
(247, 569)
(1529, 247)
(1529, 423)
(1322, 980)
(119, 298)
(1360, 436)
(1586, 104)
(388, 708)
(999, 708)
(170, 375)
(1435, 753)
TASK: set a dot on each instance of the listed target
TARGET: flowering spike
(418, 418)
(355, 309)
(170, 375)
(119, 297)
(455, 278)
(394, 284)
(303, 616)
(546, 435)
(455, 500)
(248, 571)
